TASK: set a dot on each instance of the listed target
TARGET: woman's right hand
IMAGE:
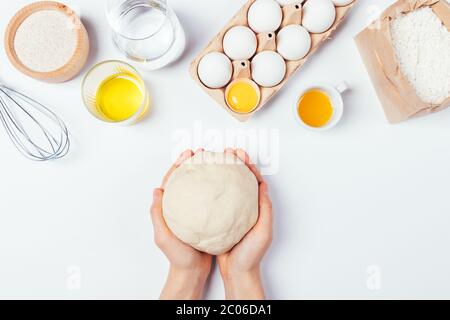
(240, 268)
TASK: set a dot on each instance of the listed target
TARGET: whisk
(37, 132)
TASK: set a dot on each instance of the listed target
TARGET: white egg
(240, 43)
(318, 15)
(293, 42)
(341, 3)
(265, 16)
(286, 2)
(215, 70)
(268, 69)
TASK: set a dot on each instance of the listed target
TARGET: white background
(364, 194)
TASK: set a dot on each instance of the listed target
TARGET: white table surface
(362, 211)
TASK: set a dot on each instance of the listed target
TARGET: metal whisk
(37, 132)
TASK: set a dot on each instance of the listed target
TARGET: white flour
(422, 45)
(45, 41)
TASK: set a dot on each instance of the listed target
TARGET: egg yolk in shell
(242, 97)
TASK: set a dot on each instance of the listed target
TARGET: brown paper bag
(398, 98)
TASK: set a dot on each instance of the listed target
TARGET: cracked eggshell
(318, 15)
(293, 42)
(341, 3)
(268, 69)
(215, 70)
(265, 16)
(240, 43)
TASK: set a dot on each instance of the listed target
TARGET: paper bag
(398, 98)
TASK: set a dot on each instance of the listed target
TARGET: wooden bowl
(75, 63)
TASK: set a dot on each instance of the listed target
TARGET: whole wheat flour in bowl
(422, 47)
(47, 41)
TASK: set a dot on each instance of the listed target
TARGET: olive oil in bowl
(114, 92)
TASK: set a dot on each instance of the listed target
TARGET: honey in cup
(243, 96)
(315, 108)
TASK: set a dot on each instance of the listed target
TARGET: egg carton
(292, 14)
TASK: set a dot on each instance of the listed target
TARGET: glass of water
(146, 31)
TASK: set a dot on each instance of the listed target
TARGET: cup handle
(342, 87)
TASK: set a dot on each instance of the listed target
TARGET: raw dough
(211, 202)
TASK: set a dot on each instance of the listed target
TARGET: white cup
(335, 95)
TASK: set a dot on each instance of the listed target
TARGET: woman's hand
(189, 268)
(240, 268)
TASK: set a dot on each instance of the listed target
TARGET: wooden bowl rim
(26, 12)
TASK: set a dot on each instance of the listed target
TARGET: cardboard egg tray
(292, 14)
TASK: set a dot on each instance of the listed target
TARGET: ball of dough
(318, 15)
(293, 42)
(265, 16)
(240, 43)
(215, 70)
(268, 69)
(211, 202)
(341, 3)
